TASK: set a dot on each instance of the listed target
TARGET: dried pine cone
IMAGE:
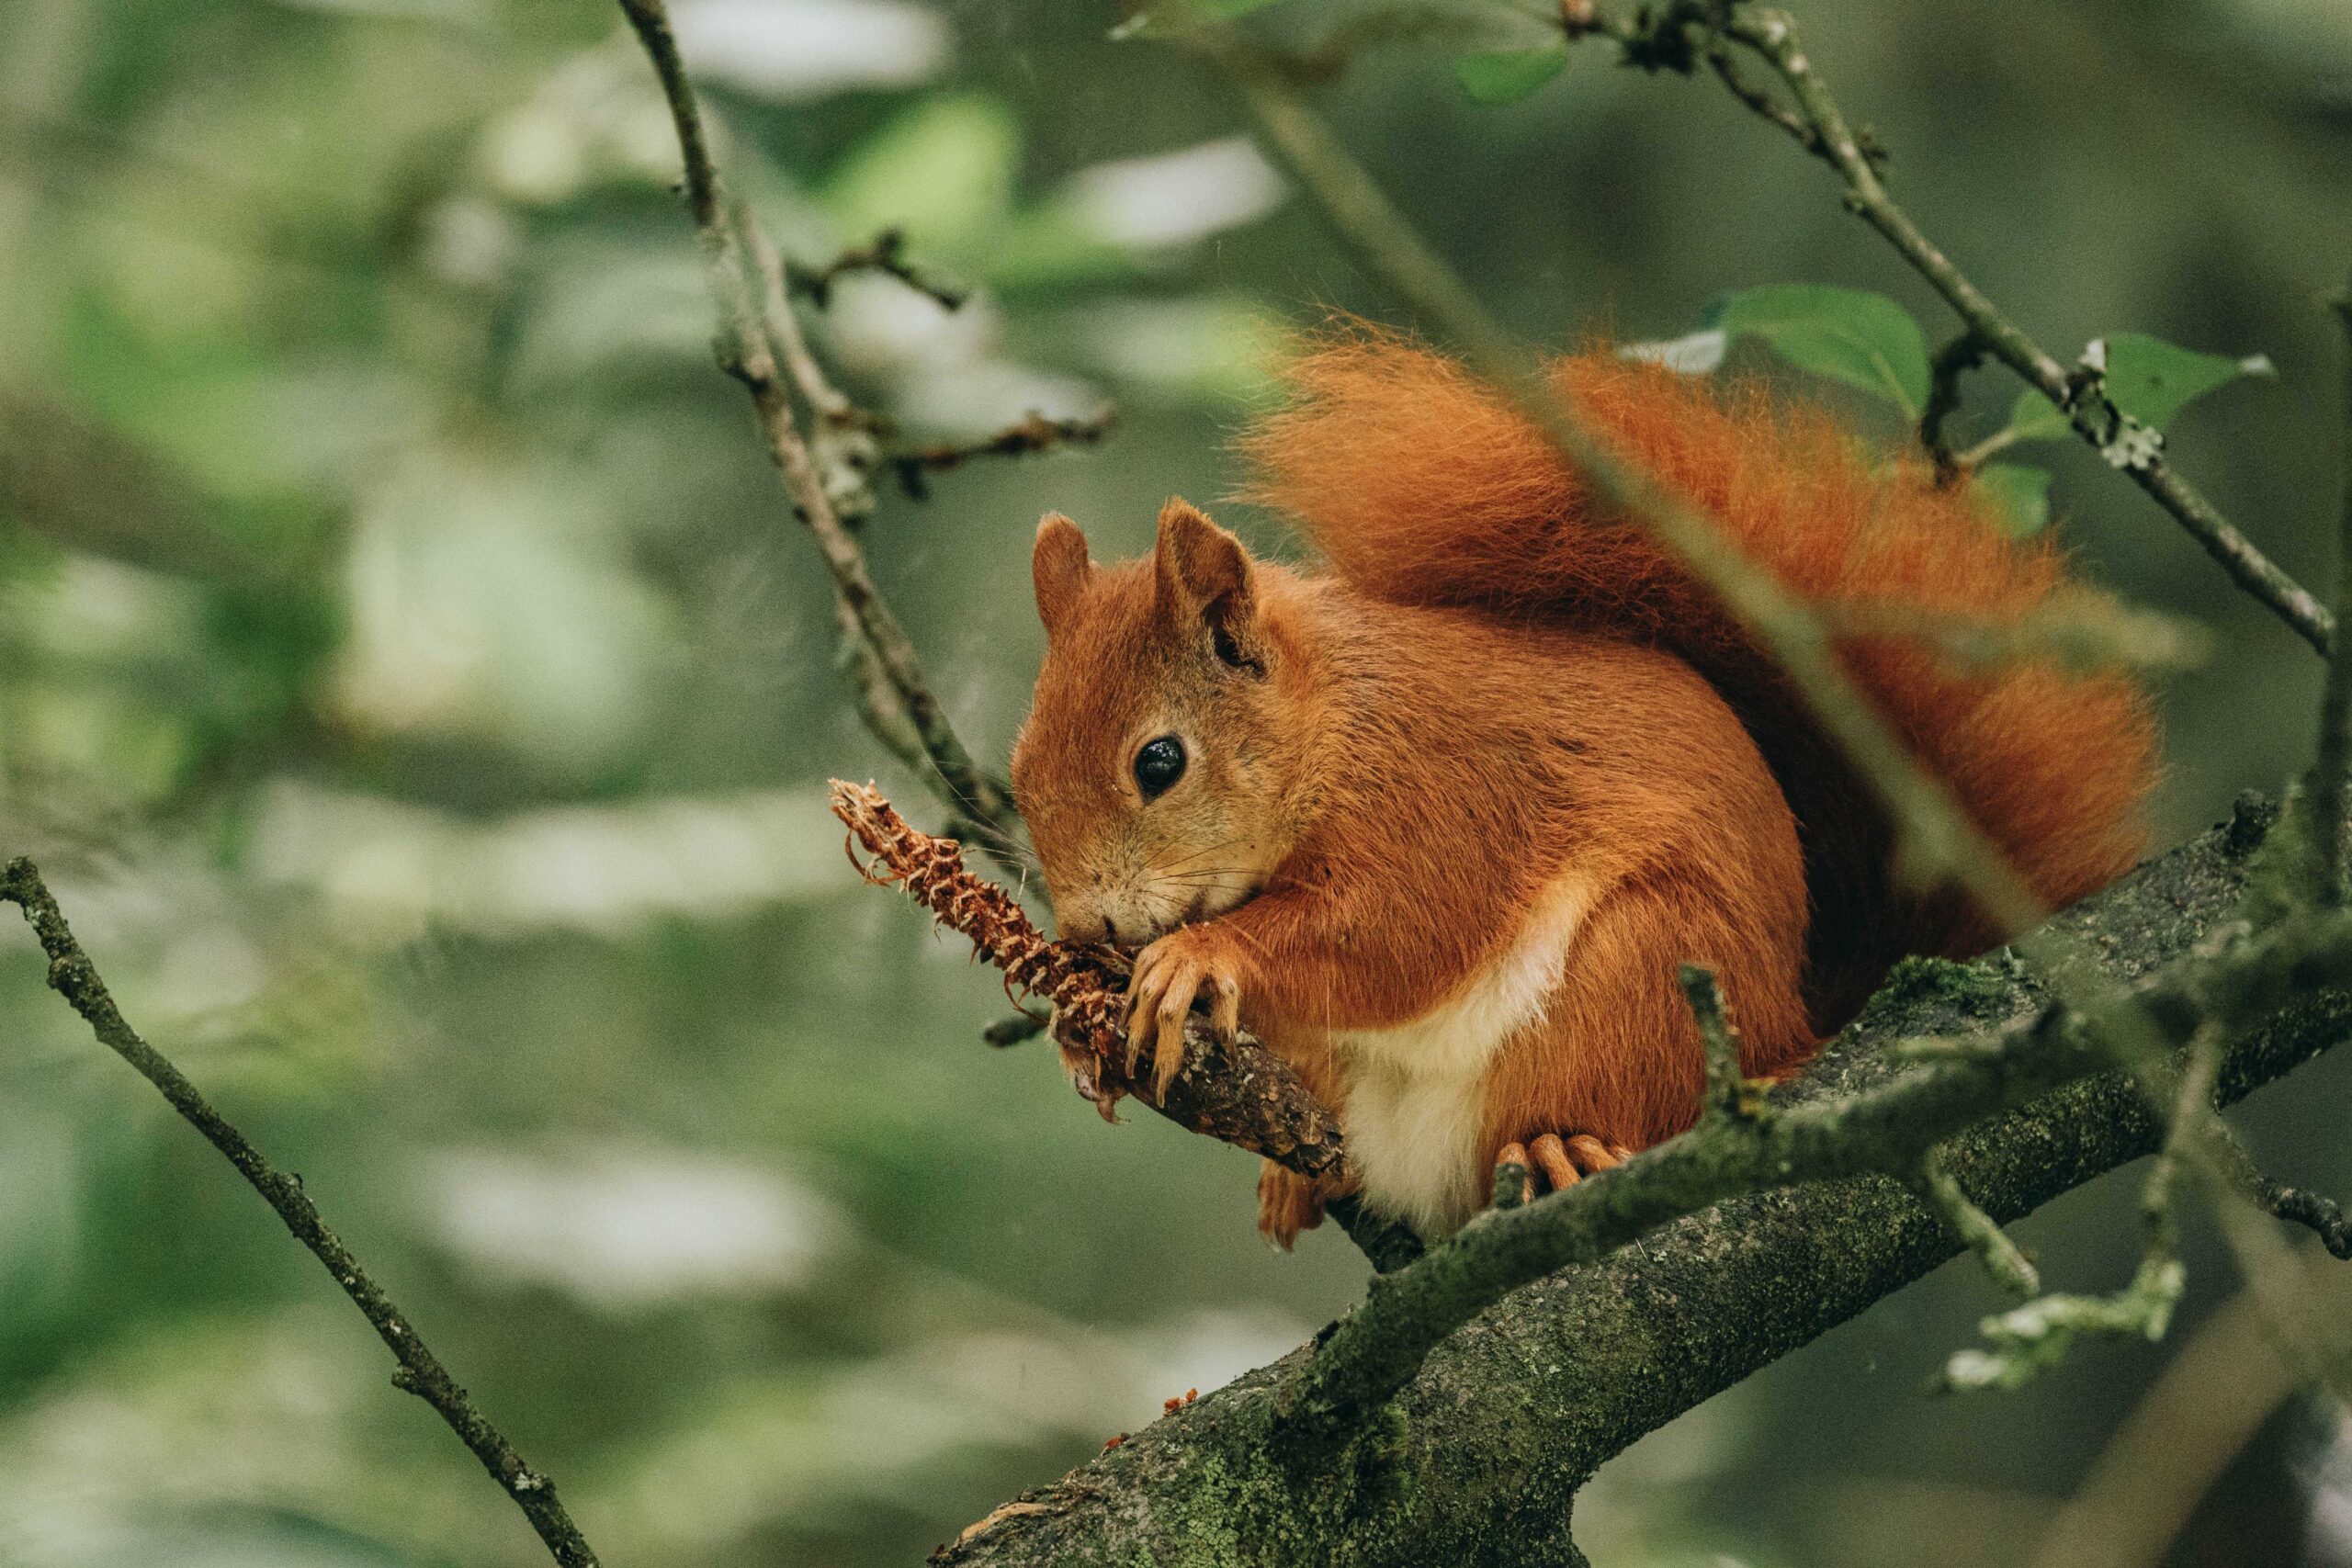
(1080, 981)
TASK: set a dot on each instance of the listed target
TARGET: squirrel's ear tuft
(1203, 574)
(1059, 568)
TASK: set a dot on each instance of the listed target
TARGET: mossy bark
(1479, 1457)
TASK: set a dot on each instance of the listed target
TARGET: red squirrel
(1439, 821)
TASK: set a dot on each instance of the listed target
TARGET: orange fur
(1454, 811)
(1421, 486)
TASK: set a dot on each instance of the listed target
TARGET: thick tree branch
(1890, 1128)
(72, 976)
(1571, 1369)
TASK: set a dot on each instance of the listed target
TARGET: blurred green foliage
(415, 686)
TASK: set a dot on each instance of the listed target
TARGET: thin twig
(1032, 434)
(843, 439)
(886, 253)
(1730, 1091)
(2082, 630)
(1936, 835)
(1955, 359)
(2328, 772)
(1976, 1229)
(2321, 1215)
(74, 978)
(1822, 129)
(748, 338)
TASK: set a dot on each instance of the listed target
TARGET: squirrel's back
(1420, 485)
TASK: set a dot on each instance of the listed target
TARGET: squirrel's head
(1161, 747)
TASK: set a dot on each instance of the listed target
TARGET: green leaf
(2148, 377)
(1507, 75)
(1849, 334)
(2016, 495)
(943, 171)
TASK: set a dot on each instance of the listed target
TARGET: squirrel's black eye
(1158, 764)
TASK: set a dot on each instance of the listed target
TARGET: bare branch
(74, 978)
(2323, 1216)
(886, 253)
(1033, 434)
(1374, 1351)
(753, 338)
(1955, 359)
(1976, 1229)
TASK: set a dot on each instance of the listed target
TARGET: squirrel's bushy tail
(1420, 485)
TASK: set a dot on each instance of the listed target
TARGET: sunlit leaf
(1849, 334)
(2016, 495)
(943, 171)
(2148, 377)
(1693, 353)
(1175, 197)
(788, 50)
(1507, 75)
(1108, 221)
(1213, 348)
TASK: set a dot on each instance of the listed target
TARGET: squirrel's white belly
(1415, 1094)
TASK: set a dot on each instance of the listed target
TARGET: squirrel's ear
(1203, 573)
(1058, 567)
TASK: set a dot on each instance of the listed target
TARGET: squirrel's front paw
(1188, 962)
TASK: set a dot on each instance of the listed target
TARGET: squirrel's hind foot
(1551, 1162)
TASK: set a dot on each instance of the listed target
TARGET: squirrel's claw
(1551, 1163)
(1181, 967)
